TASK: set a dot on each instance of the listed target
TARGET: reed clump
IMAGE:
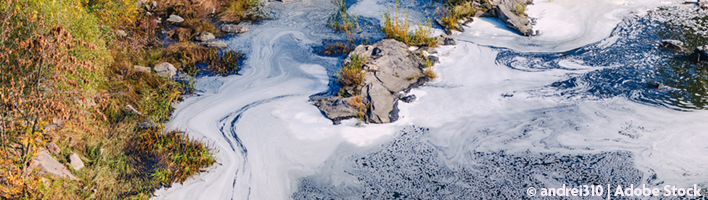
(397, 27)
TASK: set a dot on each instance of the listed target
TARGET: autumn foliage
(66, 78)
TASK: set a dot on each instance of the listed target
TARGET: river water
(572, 106)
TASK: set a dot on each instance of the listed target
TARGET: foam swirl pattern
(507, 113)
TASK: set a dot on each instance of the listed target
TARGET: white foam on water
(563, 24)
(268, 134)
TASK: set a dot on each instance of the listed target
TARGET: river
(573, 106)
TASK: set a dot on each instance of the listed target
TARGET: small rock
(703, 3)
(233, 29)
(673, 45)
(434, 58)
(205, 37)
(141, 68)
(121, 33)
(166, 70)
(445, 40)
(48, 165)
(656, 85)
(700, 54)
(175, 19)
(53, 148)
(130, 108)
(337, 108)
(75, 161)
(409, 98)
(216, 44)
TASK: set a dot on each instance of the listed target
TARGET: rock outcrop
(508, 11)
(511, 12)
(48, 165)
(391, 69)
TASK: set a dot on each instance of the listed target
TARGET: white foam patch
(563, 24)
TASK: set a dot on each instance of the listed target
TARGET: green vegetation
(342, 22)
(398, 30)
(519, 9)
(68, 77)
(461, 10)
(352, 74)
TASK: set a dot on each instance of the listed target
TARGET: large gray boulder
(392, 68)
(46, 164)
(381, 102)
(513, 20)
(166, 70)
(700, 54)
(233, 29)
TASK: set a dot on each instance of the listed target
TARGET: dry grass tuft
(430, 73)
(352, 74)
(398, 30)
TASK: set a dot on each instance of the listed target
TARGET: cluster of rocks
(698, 55)
(46, 164)
(507, 11)
(209, 40)
(391, 71)
(164, 69)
